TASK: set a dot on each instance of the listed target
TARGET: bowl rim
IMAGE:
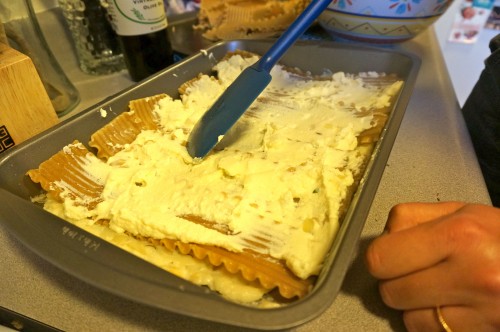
(342, 12)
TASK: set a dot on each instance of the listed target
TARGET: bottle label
(136, 17)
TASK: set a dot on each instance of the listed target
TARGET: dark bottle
(141, 27)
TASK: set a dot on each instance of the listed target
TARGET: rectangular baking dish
(109, 268)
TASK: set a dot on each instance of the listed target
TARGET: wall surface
(463, 61)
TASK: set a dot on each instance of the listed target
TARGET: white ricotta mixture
(279, 176)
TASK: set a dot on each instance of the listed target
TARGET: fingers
(407, 215)
(456, 318)
(406, 251)
(469, 228)
(441, 287)
(425, 320)
(440, 254)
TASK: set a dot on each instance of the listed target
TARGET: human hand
(443, 255)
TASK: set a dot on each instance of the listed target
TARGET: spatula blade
(230, 106)
(247, 87)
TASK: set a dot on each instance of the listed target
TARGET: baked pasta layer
(261, 211)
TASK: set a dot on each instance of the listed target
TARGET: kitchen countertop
(432, 160)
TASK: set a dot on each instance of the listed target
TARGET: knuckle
(397, 211)
(489, 281)
(466, 232)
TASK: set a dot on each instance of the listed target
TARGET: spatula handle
(294, 31)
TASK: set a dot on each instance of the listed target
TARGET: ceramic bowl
(381, 21)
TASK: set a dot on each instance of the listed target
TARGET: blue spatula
(247, 87)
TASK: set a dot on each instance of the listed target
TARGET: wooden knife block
(25, 107)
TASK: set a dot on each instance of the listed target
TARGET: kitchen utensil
(25, 107)
(24, 33)
(231, 105)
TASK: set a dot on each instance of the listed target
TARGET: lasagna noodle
(64, 176)
(238, 19)
(125, 127)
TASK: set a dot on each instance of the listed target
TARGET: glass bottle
(95, 41)
(142, 33)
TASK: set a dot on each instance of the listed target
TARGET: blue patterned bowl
(381, 21)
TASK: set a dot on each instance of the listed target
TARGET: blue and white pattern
(392, 8)
(381, 21)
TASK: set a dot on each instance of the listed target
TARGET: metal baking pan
(109, 268)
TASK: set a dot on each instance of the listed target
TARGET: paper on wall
(470, 20)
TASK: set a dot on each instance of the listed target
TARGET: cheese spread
(276, 183)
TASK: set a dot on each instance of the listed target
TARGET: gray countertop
(432, 160)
